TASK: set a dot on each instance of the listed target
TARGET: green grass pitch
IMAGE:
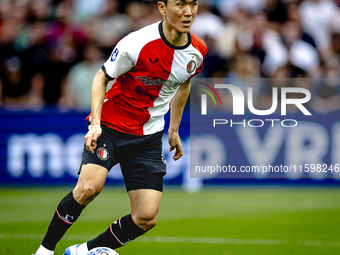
(224, 221)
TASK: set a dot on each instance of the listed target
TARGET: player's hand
(175, 143)
(91, 137)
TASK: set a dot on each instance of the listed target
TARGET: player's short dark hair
(165, 1)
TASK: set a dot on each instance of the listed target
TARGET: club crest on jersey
(103, 153)
(191, 66)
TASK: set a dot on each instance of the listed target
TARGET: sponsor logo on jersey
(191, 66)
(149, 82)
(114, 55)
(103, 153)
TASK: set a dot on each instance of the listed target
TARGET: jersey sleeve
(198, 71)
(202, 49)
(120, 61)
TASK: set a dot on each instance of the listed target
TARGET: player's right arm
(97, 99)
(121, 61)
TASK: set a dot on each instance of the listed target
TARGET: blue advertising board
(42, 148)
(236, 148)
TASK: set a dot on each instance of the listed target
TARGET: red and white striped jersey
(148, 72)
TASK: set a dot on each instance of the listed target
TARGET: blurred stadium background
(50, 51)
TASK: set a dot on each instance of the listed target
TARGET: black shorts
(140, 157)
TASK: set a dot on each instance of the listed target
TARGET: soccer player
(151, 67)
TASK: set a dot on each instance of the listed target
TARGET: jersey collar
(160, 28)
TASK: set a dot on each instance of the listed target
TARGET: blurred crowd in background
(50, 50)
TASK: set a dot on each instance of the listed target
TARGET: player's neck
(173, 36)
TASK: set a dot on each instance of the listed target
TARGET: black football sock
(66, 214)
(118, 234)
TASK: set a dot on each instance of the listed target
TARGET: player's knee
(146, 220)
(90, 191)
(85, 193)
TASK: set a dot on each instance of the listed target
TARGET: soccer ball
(102, 251)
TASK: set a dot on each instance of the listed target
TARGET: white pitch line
(194, 240)
(209, 240)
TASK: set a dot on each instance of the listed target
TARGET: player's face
(180, 14)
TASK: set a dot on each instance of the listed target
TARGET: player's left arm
(176, 111)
